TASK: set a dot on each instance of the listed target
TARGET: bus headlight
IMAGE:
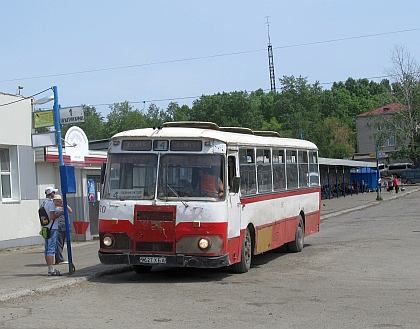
(204, 243)
(108, 241)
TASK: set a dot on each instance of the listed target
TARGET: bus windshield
(133, 176)
(181, 175)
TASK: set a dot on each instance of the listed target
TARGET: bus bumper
(165, 260)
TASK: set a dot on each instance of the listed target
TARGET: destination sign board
(73, 114)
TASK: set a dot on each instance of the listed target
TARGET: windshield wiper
(177, 195)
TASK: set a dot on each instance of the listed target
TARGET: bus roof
(229, 135)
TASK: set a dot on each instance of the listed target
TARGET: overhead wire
(208, 56)
(25, 98)
(198, 58)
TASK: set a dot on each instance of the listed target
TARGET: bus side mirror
(103, 166)
(235, 185)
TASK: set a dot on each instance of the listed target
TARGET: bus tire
(245, 263)
(140, 269)
(297, 244)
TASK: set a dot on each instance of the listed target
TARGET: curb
(370, 204)
(64, 283)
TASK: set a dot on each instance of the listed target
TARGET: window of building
(391, 141)
(6, 175)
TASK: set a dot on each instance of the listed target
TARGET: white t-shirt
(50, 206)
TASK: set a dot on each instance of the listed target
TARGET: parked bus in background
(398, 168)
(193, 194)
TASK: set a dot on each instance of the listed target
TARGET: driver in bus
(210, 185)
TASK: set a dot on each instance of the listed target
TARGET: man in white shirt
(51, 242)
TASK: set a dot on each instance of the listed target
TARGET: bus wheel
(140, 269)
(245, 264)
(297, 244)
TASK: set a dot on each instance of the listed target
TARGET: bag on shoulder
(43, 216)
(46, 232)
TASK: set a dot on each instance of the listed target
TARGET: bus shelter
(366, 178)
(336, 177)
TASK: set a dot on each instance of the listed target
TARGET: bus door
(233, 201)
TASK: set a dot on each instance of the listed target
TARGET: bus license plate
(153, 260)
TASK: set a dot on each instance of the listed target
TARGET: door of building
(94, 188)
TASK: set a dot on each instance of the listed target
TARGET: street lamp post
(57, 126)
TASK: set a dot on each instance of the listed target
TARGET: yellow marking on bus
(264, 238)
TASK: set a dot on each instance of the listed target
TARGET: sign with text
(76, 144)
(73, 114)
(43, 119)
(91, 190)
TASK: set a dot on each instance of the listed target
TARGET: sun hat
(50, 190)
(57, 197)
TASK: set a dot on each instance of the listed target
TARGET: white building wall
(48, 175)
(20, 224)
(16, 120)
(18, 216)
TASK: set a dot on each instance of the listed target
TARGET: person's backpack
(43, 216)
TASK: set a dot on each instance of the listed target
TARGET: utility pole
(271, 60)
(63, 176)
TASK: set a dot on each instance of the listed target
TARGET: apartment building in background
(365, 130)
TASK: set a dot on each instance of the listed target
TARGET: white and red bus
(154, 212)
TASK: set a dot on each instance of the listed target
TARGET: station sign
(73, 114)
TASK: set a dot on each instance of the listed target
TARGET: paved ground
(23, 270)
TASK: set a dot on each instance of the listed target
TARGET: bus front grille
(155, 246)
(164, 216)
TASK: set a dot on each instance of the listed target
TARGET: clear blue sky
(140, 51)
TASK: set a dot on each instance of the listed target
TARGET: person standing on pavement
(391, 185)
(385, 185)
(51, 243)
(61, 238)
(397, 188)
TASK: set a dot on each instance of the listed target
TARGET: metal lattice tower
(271, 60)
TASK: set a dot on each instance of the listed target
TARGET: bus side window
(279, 170)
(247, 171)
(264, 170)
(231, 169)
(291, 169)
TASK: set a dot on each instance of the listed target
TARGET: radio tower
(271, 60)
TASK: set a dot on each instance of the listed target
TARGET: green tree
(156, 116)
(176, 113)
(228, 109)
(334, 139)
(123, 117)
(298, 106)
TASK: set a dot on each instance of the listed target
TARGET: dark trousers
(60, 245)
